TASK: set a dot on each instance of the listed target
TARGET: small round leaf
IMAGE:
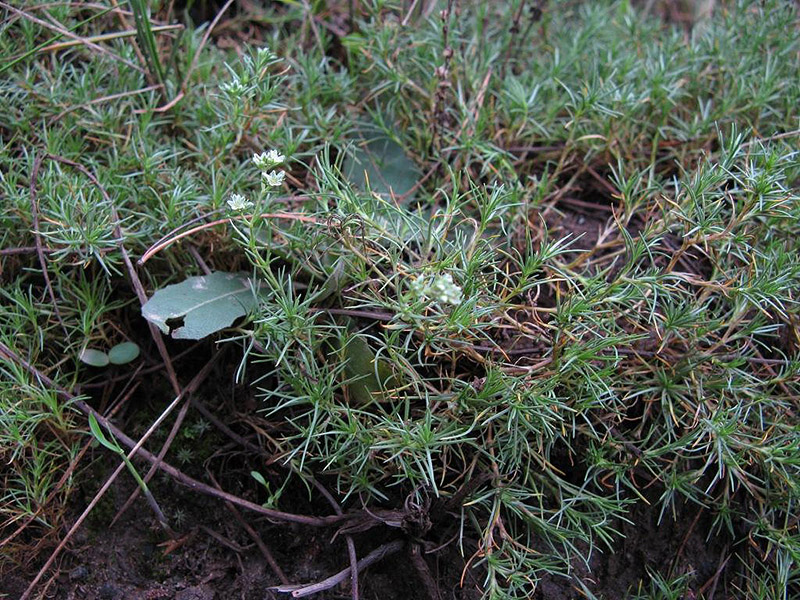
(94, 358)
(123, 353)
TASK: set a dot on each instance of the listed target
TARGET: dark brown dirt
(212, 558)
(673, 547)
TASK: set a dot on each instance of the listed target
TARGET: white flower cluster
(273, 178)
(267, 161)
(270, 178)
(440, 288)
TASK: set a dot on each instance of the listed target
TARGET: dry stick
(514, 30)
(354, 568)
(533, 149)
(135, 447)
(102, 99)
(154, 467)
(199, 260)
(159, 246)
(37, 164)
(193, 64)
(69, 34)
(178, 475)
(351, 545)
(442, 73)
(208, 415)
(779, 136)
(82, 5)
(688, 532)
(333, 580)
(254, 535)
(23, 250)
(105, 37)
(127, 392)
(723, 560)
(424, 572)
(217, 536)
(168, 235)
(313, 24)
(421, 181)
(404, 22)
(203, 42)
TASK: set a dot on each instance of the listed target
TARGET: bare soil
(211, 556)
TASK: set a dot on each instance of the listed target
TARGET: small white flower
(440, 288)
(260, 160)
(273, 179)
(445, 290)
(234, 87)
(239, 202)
(267, 160)
(275, 157)
(418, 286)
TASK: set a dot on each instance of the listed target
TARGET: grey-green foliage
(201, 305)
(650, 349)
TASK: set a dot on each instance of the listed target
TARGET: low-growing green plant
(530, 273)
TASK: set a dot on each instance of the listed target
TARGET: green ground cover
(532, 273)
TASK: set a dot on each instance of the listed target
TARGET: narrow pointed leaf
(97, 432)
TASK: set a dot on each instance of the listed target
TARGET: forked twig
(300, 591)
(159, 246)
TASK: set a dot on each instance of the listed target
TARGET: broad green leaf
(94, 358)
(200, 306)
(366, 382)
(123, 353)
(381, 165)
